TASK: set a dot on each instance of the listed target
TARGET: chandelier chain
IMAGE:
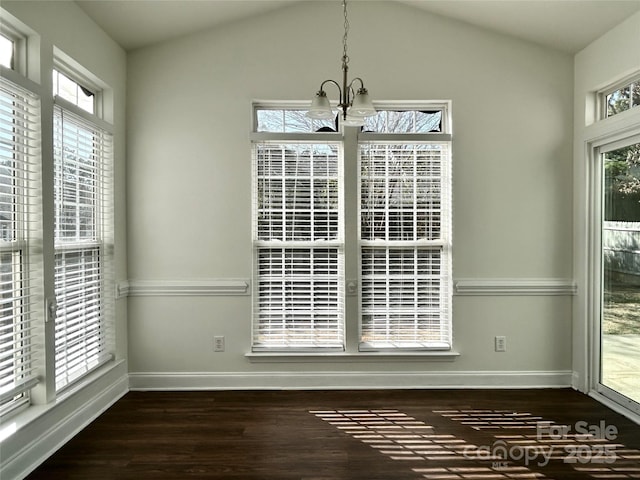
(345, 57)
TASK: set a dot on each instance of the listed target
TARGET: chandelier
(355, 104)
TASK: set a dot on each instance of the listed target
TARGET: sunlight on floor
(521, 439)
(404, 438)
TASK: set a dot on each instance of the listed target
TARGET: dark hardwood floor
(382, 434)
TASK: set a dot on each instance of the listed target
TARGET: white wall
(189, 189)
(43, 428)
(612, 58)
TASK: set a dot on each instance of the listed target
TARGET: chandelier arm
(359, 80)
(335, 83)
(343, 92)
(352, 92)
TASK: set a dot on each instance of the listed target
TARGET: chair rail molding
(234, 286)
(515, 286)
(182, 288)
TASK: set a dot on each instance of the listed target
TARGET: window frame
(26, 55)
(67, 66)
(13, 51)
(350, 138)
(282, 139)
(80, 84)
(443, 244)
(35, 77)
(19, 40)
(613, 138)
(102, 223)
(603, 105)
(27, 242)
(443, 106)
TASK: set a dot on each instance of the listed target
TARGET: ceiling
(566, 25)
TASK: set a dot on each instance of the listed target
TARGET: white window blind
(83, 243)
(404, 241)
(298, 239)
(20, 234)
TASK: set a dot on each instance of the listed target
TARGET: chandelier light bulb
(320, 107)
(362, 104)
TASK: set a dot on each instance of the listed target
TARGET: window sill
(23, 417)
(328, 357)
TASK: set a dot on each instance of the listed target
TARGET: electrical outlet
(501, 343)
(218, 344)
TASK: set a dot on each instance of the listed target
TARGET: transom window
(402, 250)
(73, 92)
(623, 98)
(289, 120)
(294, 120)
(7, 50)
(404, 121)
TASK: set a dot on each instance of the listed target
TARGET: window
(622, 99)
(14, 37)
(73, 92)
(20, 278)
(83, 230)
(404, 250)
(404, 121)
(619, 188)
(57, 296)
(282, 120)
(299, 246)
(403, 247)
(7, 50)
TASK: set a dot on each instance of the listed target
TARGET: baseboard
(345, 380)
(577, 382)
(55, 425)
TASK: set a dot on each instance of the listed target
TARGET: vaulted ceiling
(566, 25)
